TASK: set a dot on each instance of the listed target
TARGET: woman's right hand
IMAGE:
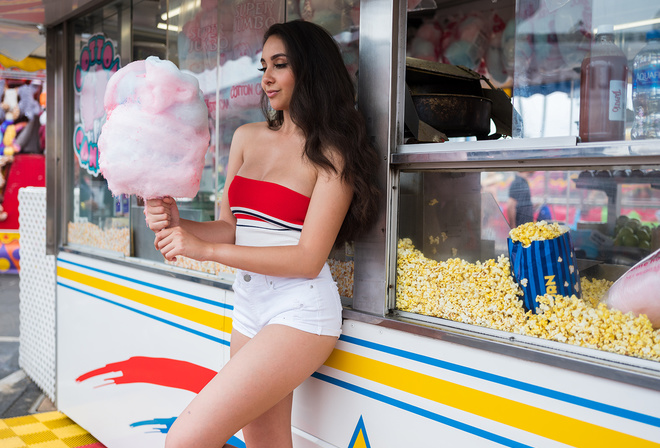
(161, 213)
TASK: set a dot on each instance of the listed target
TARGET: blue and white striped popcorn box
(545, 267)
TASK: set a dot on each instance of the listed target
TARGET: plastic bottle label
(648, 78)
(617, 110)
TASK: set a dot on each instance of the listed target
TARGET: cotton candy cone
(156, 132)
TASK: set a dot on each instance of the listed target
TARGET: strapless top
(267, 214)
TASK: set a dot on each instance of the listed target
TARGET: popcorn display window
(536, 253)
(97, 219)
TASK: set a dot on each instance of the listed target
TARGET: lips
(271, 93)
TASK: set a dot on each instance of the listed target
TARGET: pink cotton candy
(638, 290)
(156, 133)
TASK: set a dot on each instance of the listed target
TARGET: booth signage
(97, 62)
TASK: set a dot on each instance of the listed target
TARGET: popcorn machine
(436, 335)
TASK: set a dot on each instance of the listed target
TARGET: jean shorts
(311, 305)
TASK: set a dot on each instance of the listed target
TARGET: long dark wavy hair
(323, 106)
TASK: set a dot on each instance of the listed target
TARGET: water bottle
(646, 89)
(603, 84)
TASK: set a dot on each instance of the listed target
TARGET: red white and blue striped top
(267, 214)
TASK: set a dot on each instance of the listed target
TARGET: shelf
(560, 152)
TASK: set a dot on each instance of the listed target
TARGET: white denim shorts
(311, 305)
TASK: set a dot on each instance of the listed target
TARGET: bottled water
(646, 89)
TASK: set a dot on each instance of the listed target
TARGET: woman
(297, 184)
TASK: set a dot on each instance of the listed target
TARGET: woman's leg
(261, 375)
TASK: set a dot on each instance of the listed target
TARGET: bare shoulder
(249, 130)
(245, 135)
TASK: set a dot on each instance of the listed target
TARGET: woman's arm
(328, 206)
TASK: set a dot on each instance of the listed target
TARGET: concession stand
(445, 341)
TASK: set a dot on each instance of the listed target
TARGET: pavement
(19, 395)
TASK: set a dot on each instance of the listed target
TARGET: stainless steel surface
(615, 367)
(610, 272)
(59, 110)
(562, 152)
(125, 29)
(222, 281)
(57, 11)
(377, 99)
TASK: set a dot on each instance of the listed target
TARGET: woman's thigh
(261, 373)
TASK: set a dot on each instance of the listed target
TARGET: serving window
(455, 260)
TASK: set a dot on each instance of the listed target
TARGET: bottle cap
(653, 34)
(606, 29)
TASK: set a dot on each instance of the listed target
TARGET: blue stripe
(151, 316)
(538, 390)
(421, 412)
(235, 441)
(151, 285)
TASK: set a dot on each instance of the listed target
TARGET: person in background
(28, 142)
(297, 185)
(519, 208)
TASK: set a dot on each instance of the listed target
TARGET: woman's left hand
(174, 241)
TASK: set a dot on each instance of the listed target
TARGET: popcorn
(482, 293)
(210, 267)
(535, 231)
(89, 234)
(342, 273)
(485, 294)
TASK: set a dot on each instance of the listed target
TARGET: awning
(20, 25)
(22, 42)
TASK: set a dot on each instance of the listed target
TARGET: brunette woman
(297, 184)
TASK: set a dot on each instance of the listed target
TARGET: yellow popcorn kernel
(535, 231)
(484, 293)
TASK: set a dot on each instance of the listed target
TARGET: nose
(267, 77)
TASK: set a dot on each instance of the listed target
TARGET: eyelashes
(279, 66)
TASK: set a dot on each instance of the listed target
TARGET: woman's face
(278, 80)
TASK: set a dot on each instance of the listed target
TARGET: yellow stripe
(503, 410)
(207, 318)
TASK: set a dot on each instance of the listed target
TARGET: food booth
(439, 346)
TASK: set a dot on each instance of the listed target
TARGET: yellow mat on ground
(45, 430)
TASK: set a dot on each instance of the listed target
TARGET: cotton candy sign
(156, 132)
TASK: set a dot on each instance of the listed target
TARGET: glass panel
(568, 65)
(97, 219)
(457, 259)
(342, 19)
(191, 30)
(574, 66)
(459, 56)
